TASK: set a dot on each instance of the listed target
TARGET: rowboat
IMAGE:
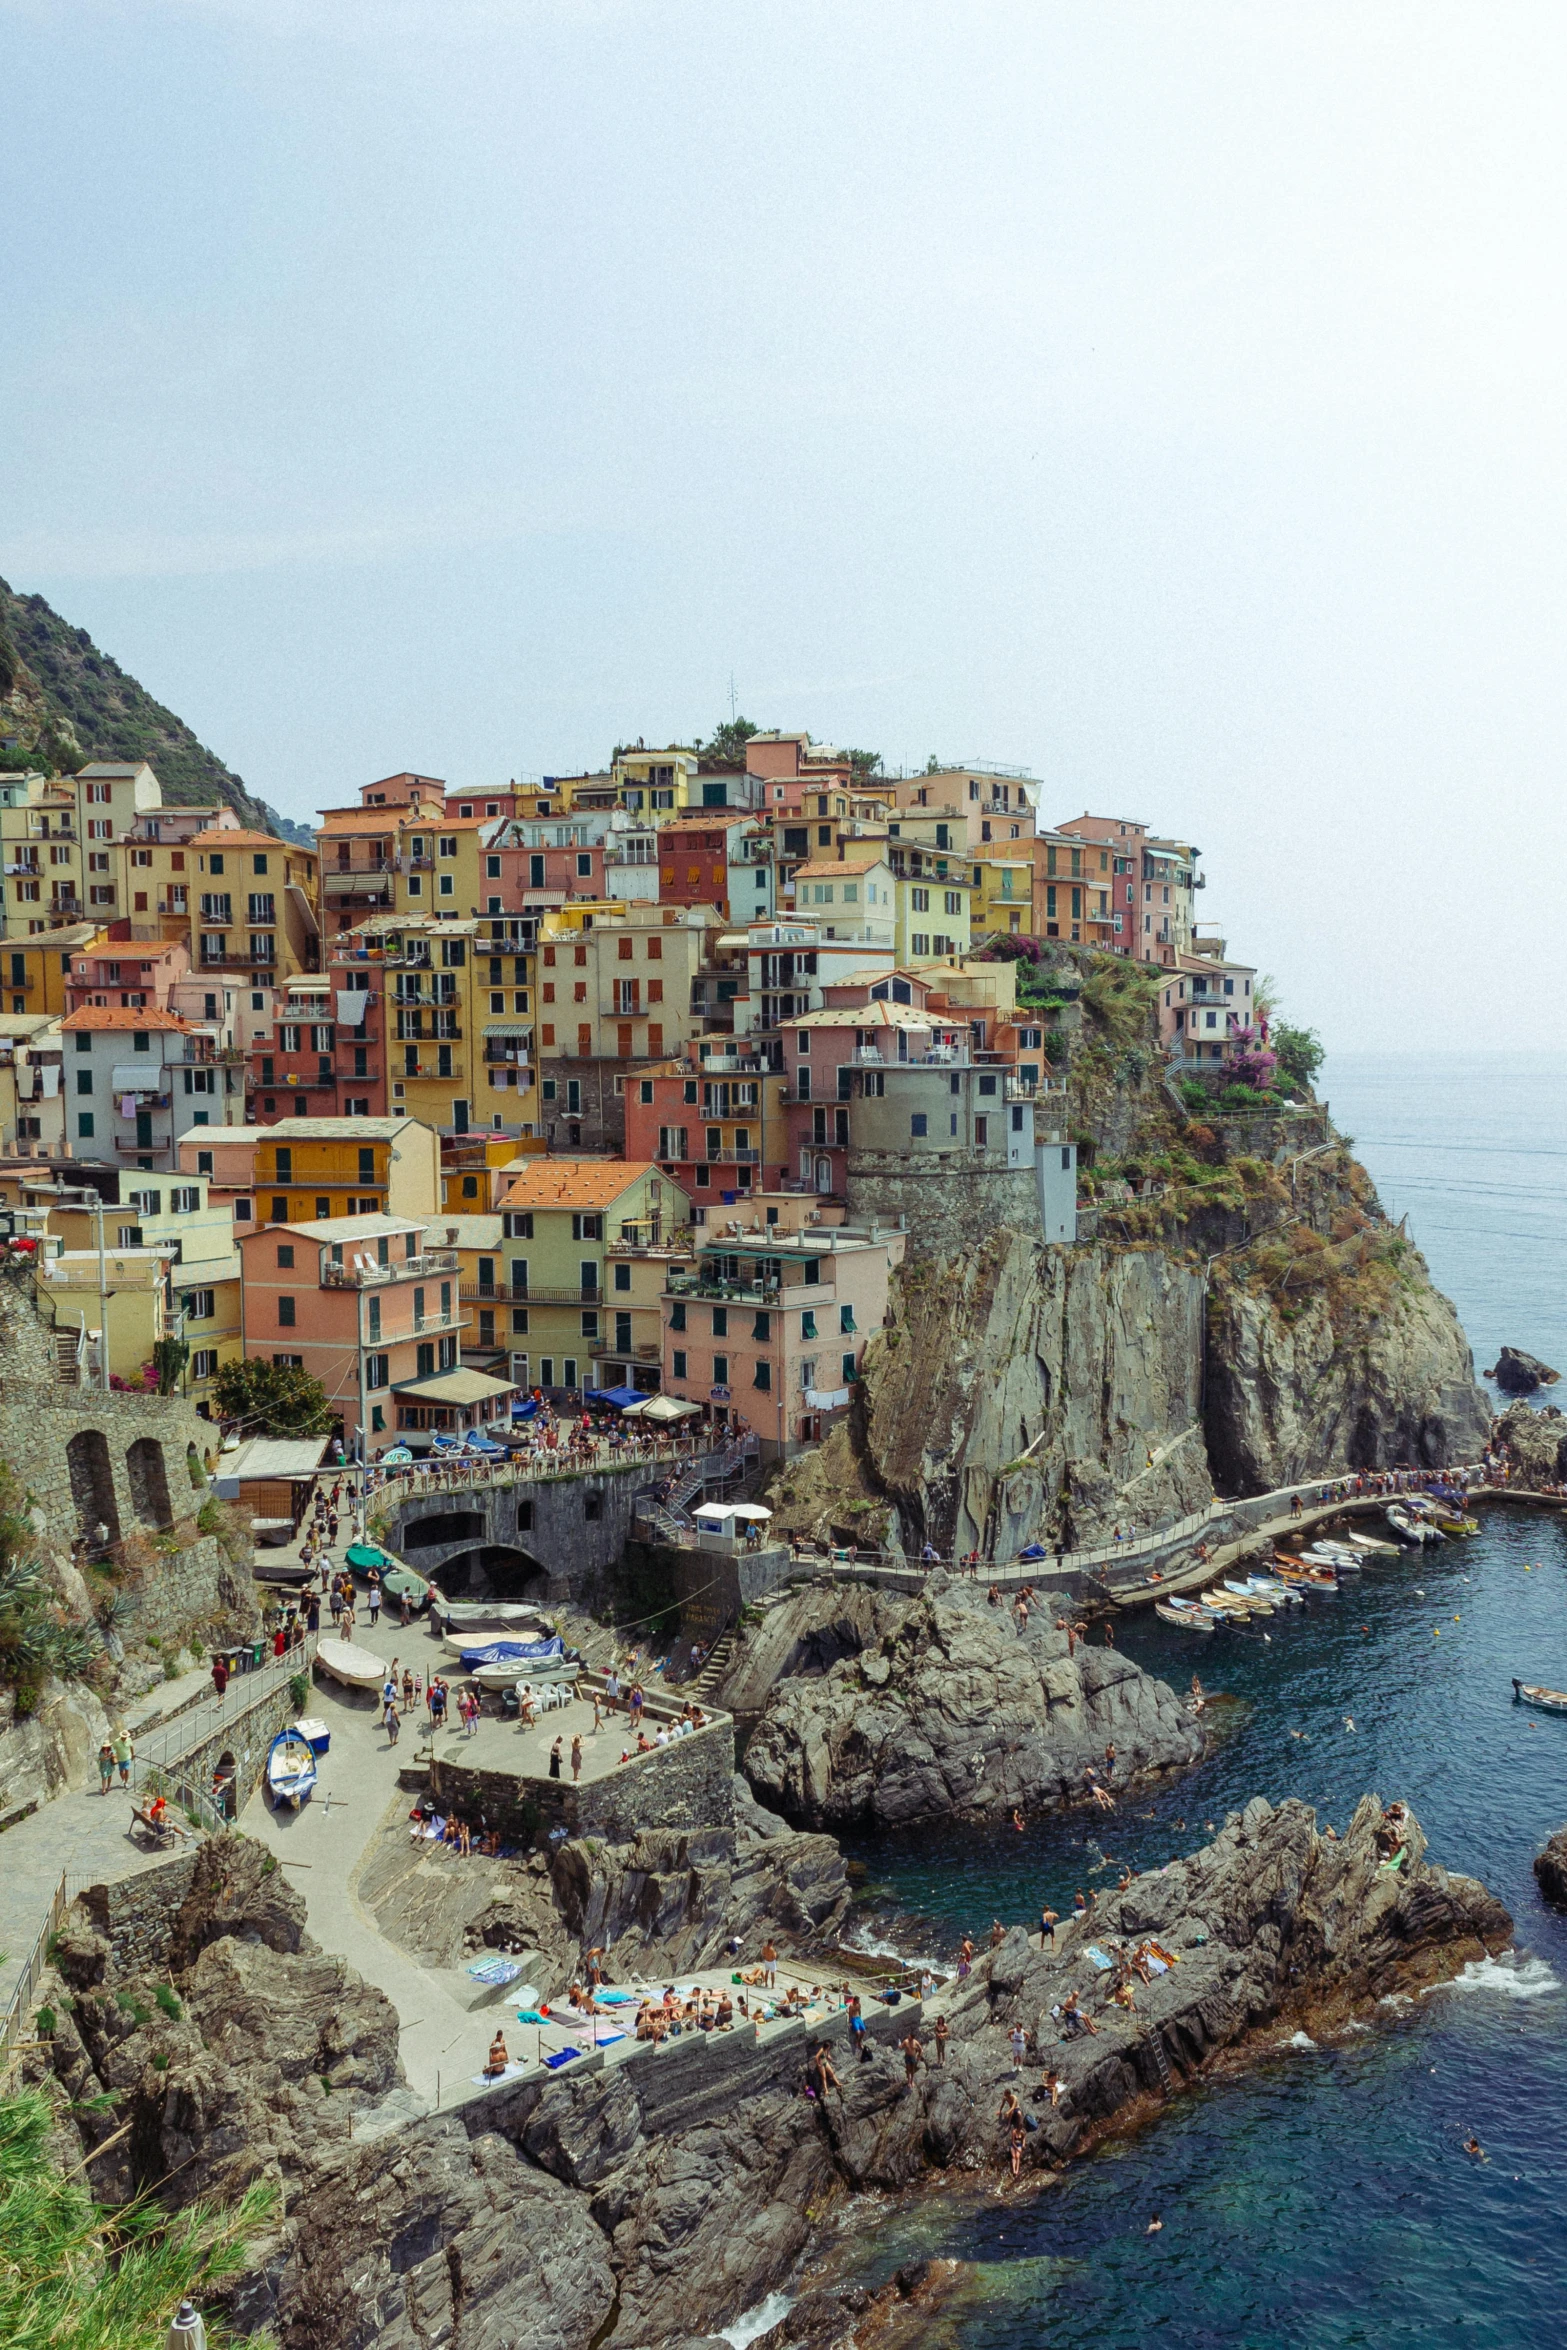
(355, 1667)
(1252, 1602)
(1186, 1616)
(520, 1660)
(396, 1578)
(291, 1768)
(480, 1615)
(1329, 1554)
(1548, 1701)
(1370, 1542)
(509, 1672)
(532, 1628)
(1275, 1588)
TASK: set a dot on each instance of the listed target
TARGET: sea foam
(746, 2328)
(1514, 1975)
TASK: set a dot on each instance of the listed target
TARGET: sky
(1163, 399)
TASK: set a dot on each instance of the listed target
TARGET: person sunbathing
(497, 2060)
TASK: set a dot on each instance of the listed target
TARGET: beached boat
(1548, 1701)
(1186, 1614)
(531, 1627)
(480, 1615)
(355, 1667)
(509, 1674)
(521, 1660)
(291, 1768)
(396, 1578)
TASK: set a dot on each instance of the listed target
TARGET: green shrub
(168, 1999)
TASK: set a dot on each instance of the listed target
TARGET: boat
(1186, 1614)
(291, 1768)
(355, 1667)
(1451, 1523)
(1409, 1528)
(521, 1660)
(480, 1615)
(1370, 1542)
(510, 1671)
(1251, 1601)
(396, 1579)
(1548, 1701)
(1334, 1554)
(1274, 1587)
(532, 1628)
(1308, 1579)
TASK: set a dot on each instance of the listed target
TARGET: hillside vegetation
(63, 702)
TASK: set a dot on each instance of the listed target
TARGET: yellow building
(195, 1235)
(477, 1168)
(124, 1291)
(1003, 888)
(36, 971)
(618, 984)
(639, 1258)
(439, 867)
(657, 783)
(157, 867)
(308, 1169)
(254, 909)
(40, 847)
(561, 1218)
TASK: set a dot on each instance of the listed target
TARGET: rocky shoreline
(543, 2215)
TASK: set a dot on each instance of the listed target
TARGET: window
(921, 900)
(84, 1081)
(587, 1227)
(185, 1198)
(285, 1254)
(849, 1372)
(204, 1162)
(846, 1321)
(762, 1377)
(285, 1313)
(200, 1304)
(762, 1326)
(677, 1315)
(622, 1277)
(128, 1236)
(720, 1370)
(375, 1316)
(279, 1214)
(981, 1132)
(918, 1124)
(204, 1363)
(678, 1370)
(448, 844)
(590, 1325)
(519, 1321)
(720, 1321)
(84, 1124)
(955, 898)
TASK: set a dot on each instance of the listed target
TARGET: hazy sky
(1165, 397)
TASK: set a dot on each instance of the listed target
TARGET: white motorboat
(480, 1615)
(1410, 1528)
(515, 1670)
(529, 1628)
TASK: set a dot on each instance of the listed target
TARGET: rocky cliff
(948, 1709)
(604, 2206)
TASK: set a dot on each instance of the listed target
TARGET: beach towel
(561, 2056)
(1099, 1959)
(531, 2015)
(495, 1970)
(514, 2072)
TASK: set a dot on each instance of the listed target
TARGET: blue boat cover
(505, 1652)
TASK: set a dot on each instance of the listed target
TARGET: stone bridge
(497, 1534)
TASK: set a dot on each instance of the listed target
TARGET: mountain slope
(62, 702)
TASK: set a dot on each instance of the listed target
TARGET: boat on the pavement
(291, 1768)
(356, 1668)
(521, 1660)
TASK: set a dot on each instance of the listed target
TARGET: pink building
(768, 1331)
(130, 976)
(1207, 1010)
(364, 1306)
(227, 1156)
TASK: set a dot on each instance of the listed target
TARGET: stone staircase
(715, 1666)
(70, 1357)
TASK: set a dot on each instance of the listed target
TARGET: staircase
(715, 1666)
(69, 1350)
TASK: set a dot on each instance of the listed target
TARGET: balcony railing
(425, 1323)
(482, 1294)
(435, 1260)
(760, 1293)
(553, 1297)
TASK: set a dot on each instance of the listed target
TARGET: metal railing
(33, 1966)
(184, 1732)
(435, 1260)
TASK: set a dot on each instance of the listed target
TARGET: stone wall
(136, 1916)
(245, 1741)
(712, 1586)
(952, 1204)
(565, 1536)
(689, 1784)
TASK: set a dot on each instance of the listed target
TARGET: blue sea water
(1324, 2198)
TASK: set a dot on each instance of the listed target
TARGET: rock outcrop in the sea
(1535, 1441)
(948, 1711)
(538, 2213)
(1550, 1868)
(1519, 1374)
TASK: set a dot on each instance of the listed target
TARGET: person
(858, 2039)
(1019, 2047)
(943, 2034)
(1156, 2223)
(1017, 2145)
(374, 1598)
(124, 1753)
(1047, 1926)
(998, 1933)
(498, 2060)
(1017, 1819)
(220, 1675)
(1053, 2086)
(105, 1766)
(335, 1603)
(1079, 1905)
(313, 1612)
(279, 1641)
(555, 1758)
(912, 2052)
(393, 1720)
(157, 1811)
(965, 1959)
(1474, 2149)
(769, 1966)
(611, 1689)
(576, 1758)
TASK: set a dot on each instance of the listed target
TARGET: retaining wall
(689, 1784)
(955, 1203)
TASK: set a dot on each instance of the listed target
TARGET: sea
(1323, 2198)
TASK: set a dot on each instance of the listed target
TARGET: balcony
(373, 1276)
(425, 1324)
(745, 1293)
(591, 1298)
(727, 1158)
(235, 962)
(478, 1293)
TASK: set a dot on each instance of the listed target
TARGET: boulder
(1521, 1374)
(957, 1714)
(1550, 1867)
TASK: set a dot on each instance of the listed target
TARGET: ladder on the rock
(1156, 2041)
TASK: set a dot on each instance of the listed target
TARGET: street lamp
(186, 2330)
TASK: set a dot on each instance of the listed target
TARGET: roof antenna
(731, 697)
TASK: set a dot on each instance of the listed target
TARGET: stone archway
(494, 1570)
(149, 1482)
(443, 1526)
(92, 1485)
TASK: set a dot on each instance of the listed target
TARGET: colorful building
(767, 1330)
(312, 1169)
(136, 1079)
(560, 1218)
(363, 1304)
(1207, 1009)
(254, 907)
(708, 1122)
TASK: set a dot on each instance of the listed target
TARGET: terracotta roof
(840, 865)
(575, 1183)
(117, 1017)
(877, 1015)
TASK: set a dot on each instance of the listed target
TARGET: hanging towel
(352, 1007)
(24, 1082)
(50, 1076)
(127, 1105)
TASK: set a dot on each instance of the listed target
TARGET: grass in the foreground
(75, 2276)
